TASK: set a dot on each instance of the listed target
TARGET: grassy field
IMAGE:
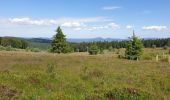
(79, 76)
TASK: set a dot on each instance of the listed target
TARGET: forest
(44, 44)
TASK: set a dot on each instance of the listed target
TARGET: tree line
(59, 41)
(149, 43)
(13, 42)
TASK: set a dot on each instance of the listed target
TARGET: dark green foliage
(149, 43)
(2, 48)
(93, 49)
(13, 42)
(59, 44)
(158, 42)
(134, 48)
(8, 48)
(24, 44)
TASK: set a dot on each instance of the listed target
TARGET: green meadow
(80, 76)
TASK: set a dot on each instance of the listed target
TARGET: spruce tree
(134, 48)
(59, 44)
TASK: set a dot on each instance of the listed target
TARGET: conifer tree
(134, 48)
(59, 44)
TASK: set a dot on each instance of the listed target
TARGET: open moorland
(79, 76)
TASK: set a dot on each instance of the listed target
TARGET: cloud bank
(74, 23)
(155, 28)
(66, 22)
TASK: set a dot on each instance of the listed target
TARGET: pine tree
(134, 48)
(59, 44)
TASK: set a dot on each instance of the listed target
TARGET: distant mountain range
(48, 40)
(93, 40)
(76, 40)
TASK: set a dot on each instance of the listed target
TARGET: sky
(85, 18)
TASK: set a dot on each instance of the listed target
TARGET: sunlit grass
(81, 76)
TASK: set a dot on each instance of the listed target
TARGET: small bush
(2, 48)
(35, 50)
(93, 50)
(9, 48)
(165, 47)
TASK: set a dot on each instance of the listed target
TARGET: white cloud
(155, 28)
(77, 24)
(108, 26)
(66, 22)
(111, 7)
(113, 26)
(73, 24)
(27, 21)
(129, 26)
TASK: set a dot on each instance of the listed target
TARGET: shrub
(9, 48)
(35, 50)
(165, 47)
(121, 56)
(2, 48)
(93, 50)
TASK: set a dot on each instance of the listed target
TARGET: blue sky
(85, 18)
